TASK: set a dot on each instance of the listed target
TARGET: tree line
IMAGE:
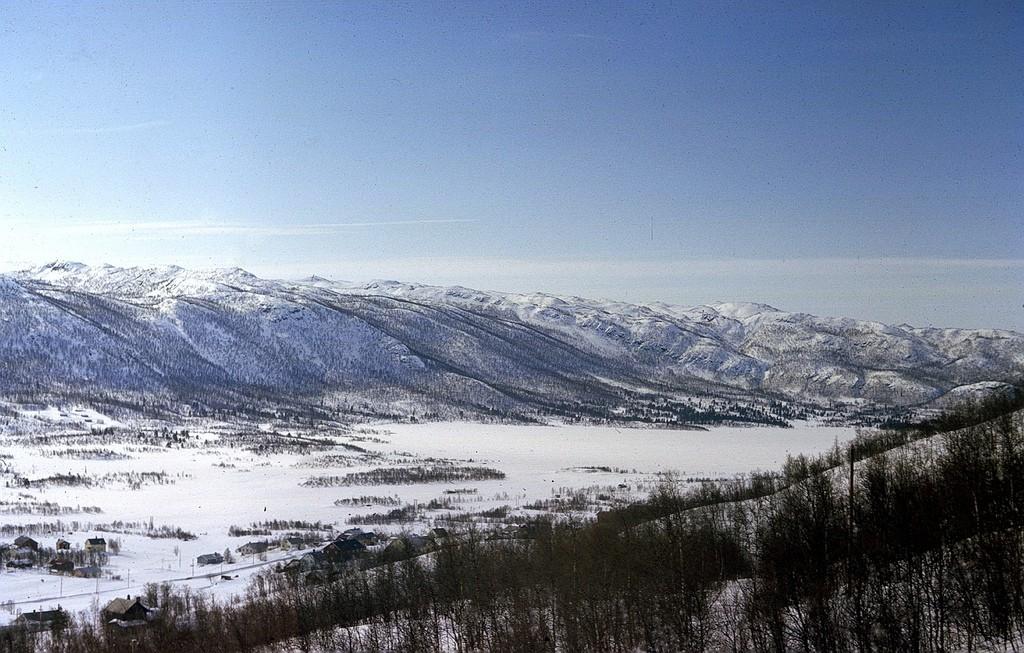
(918, 546)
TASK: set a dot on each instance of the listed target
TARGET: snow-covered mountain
(218, 338)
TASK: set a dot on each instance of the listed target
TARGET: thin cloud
(460, 269)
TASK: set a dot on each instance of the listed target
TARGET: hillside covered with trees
(907, 539)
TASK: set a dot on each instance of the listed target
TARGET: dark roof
(348, 545)
(122, 606)
(255, 546)
(43, 616)
(95, 540)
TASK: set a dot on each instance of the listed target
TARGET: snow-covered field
(223, 475)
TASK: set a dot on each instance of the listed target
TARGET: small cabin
(42, 620)
(210, 559)
(308, 562)
(63, 545)
(342, 550)
(126, 609)
(89, 571)
(294, 542)
(253, 548)
(26, 542)
(61, 566)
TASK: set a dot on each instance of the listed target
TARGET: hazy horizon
(863, 162)
(417, 271)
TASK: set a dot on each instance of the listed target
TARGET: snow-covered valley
(170, 414)
(139, 484)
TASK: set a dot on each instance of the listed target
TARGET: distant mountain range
(210, 340)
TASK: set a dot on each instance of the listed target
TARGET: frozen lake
(721, 451)
(215, 485)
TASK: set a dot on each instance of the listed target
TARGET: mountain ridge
(192, 335)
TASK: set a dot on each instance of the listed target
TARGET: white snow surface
(216, 486)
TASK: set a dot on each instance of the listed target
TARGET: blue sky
(849, 159)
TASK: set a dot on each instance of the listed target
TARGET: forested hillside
(905, 540)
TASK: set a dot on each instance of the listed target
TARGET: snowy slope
(226, 336)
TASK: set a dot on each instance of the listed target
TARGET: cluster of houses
(253, 549)
(25, 552)
(350, 546)
(317, 565)
(121, 613)
(323, 563)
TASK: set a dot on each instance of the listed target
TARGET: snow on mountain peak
(64, 266)
(742, 310)
(497, 335)
(58, 269)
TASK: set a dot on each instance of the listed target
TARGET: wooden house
(61, 566)
(209, 559)
(26, 542)
(96, 545)
(126, 609)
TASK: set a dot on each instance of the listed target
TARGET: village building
(313, 560)
(366, 538)
(293, 542)
(42, 620)
(26, 542)
(89, 571)
(127, 610)
(96, 545)
(253, 548)
(309, 562)
(61, 566)
(63, 545)
(342, 550)
(210, 559)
